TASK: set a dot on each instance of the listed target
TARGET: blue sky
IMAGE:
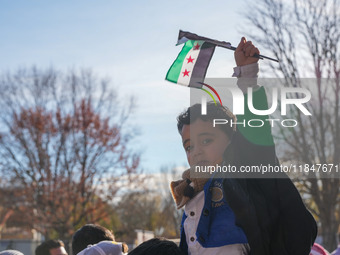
(132, 43)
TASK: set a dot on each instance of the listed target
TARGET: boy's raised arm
(247, 72)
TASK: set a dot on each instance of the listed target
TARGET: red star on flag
(190, 60)
(186, 73)
(197, 46)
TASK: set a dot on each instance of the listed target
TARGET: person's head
(51, 247)
(205, 144)
(90, 234)
(105, 247)
(11, 252)
(156, 246)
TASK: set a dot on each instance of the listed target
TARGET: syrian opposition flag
(190, 67)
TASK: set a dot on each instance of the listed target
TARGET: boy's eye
(188, 148)
(207, 141)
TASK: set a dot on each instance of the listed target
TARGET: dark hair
(45, 247)
(218, 111)
(90, 234)
(156, 246)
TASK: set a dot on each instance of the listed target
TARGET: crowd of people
(93, 239)
(235, 216)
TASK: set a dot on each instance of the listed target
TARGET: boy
(237, 216)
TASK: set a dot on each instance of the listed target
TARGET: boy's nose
(198, 150)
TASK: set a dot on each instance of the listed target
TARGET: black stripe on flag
(201, 66)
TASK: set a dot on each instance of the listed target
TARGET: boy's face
(203, 143)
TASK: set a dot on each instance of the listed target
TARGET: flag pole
(184, 36)
(226, 45)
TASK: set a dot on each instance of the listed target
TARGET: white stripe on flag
(188, 67)
(204, 105)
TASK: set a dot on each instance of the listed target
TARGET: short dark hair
(213, 112)
(90, 234)
(156, 246)
(45, 247)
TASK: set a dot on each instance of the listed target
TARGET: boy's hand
(244, 52)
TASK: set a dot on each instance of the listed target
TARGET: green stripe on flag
(176, 67)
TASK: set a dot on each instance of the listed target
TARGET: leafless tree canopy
(64, 143)
(151, 208)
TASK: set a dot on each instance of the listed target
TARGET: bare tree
(64, 143)
(172, 216)
(150, 207)
(305, 36)
(138, 210)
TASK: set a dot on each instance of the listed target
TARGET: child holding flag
(237, 215)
